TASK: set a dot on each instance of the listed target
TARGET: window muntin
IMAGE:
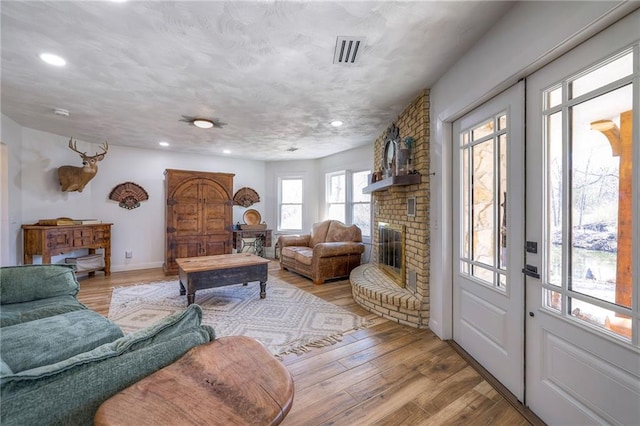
(589, 192)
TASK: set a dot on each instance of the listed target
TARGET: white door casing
(488, 188)
(579, 369)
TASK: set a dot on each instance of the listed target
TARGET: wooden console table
(53, 240)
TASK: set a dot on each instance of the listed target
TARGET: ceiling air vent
(348, 50)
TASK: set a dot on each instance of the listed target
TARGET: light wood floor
(387, 374)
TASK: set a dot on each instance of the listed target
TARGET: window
(345, 200)
(290, 205)
(483, 159)
(589, 221)
(336, 196)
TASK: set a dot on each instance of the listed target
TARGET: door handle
(531, 271)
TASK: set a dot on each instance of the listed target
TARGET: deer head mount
(74, 178)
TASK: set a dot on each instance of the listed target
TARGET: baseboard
(529, 415)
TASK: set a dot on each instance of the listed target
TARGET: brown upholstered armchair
(332, 250)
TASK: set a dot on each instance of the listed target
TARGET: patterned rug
(288, 320)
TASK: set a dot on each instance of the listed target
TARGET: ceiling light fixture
(336, 123)
(163, 143)
(61, 111)
(52, 59)
(203, 123)
(226, 151)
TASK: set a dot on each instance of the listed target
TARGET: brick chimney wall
(390, 205)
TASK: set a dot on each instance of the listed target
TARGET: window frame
(280, 180)
(349, 202)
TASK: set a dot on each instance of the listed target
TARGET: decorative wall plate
(252, 217)
(128, 195)
(245, 197)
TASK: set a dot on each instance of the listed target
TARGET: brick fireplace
(404, 299)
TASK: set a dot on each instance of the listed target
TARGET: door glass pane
(554, 197)
(603, 75)
(483, 202)
(601, 214)
(466, 204)
(482, 130)
(483, 186)
(553, 97)
(502, 194)
(589, 196)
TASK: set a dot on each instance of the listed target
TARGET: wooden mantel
(387, 183)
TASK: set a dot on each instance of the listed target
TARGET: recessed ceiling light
(203, 123)
(52, 59)
(163, 143)
(336, 123)
(226, 151)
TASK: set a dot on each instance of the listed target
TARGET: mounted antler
(74, 178)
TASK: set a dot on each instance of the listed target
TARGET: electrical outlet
(128, 254)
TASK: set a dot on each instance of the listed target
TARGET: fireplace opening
(391, 251)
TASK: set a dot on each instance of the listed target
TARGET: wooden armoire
(199, 216)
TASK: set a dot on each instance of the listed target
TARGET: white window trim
(281, 178)
(348, 203)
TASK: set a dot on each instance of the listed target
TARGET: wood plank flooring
(386, 374)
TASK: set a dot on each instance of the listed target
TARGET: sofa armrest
(294, 240)
(337, 249)
(33, 282)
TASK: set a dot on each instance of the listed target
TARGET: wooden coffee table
(197, 273)
(231, 381)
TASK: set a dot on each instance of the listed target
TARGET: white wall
(34, 191)
(140, 230)
(530, 35)
(11, 200)
(355, 160)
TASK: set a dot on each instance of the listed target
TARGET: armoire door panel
(198, 215)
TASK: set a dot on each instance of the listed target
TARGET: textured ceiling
(265, 68)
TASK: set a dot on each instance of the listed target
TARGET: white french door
(488, 224)
(582, 212)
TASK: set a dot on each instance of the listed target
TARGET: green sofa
(59, 360)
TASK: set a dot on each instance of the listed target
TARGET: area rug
(288, 320)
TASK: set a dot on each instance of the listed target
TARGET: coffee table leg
(263, 289)
(182, 289)
(191, 297)
(245, 284)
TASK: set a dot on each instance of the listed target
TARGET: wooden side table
(230, 381)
